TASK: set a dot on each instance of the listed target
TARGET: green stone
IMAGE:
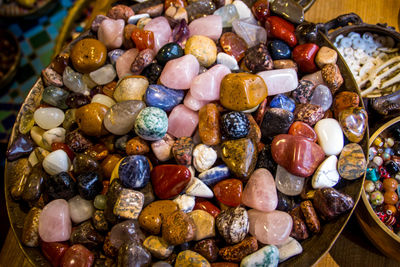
(268, 256)
(55, 96)
(151, 124)
(26, 123)
(100, 202)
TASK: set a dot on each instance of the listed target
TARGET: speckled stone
(158, 247)
(304, 91)
(30, 231)
(129, 204)
(183, 150)
(178, 228)
(151, 123)
(150, 219)
(276, 121)
(237, 252)
(204, 223)
(267, 256)
(233, 224)
(354, 122)
(352, 162)
(207, 248)
(191, 258)
(308, 113)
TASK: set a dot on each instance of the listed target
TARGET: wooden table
(352, 248)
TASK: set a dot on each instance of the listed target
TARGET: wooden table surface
(352, 248)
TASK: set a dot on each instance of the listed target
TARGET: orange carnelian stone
(233, 45)
(143, 39)
(303, 129)
(229, 192)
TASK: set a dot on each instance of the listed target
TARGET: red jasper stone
(53, 252)
(143, 39)
(297, 154)
(304, 56)
(57, 145)
(77, 255)
(169, 180)
(106, 186)
(233, 45)
(229, 192)
(261, 111)
(303, 129)
(281, 29)
(202, 204)
(261, 10)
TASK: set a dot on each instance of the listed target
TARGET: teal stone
(372, 174)
(100, 202)
(151, 124)
(268, 256)
(55, 96)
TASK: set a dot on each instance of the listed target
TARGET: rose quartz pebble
(206, 85)
(182, 121)
(210, 26)
(55, 222)
(260, 191)
(111, 33)
(315, 77)
(124, 62)
(271, 228)
(194, 103)
(279, 81)
(179, 73)
(161, 30)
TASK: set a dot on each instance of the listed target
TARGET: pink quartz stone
(260, 191)
(206, 85)
(179, 73)
(315, 77)
(124, 62)
(182, 121)
(111, 32)
(279, 81)
(194, 103)
(271, 228)
(210, 26)
(55, 221)
(161, 30)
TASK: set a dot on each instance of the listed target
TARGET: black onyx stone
(60, 186)
(21, 146)
(275, 121)
(83, 163)
(152, 72)
(265, 159)
(86, 235)
(168, 52)
(279, 50)
(112, 195)
(89, 185)
(392, 167)
(307, 32)
(76, 100)
(285, 203)
(235, 125)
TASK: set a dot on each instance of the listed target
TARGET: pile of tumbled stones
(383, 177)
(175, 134)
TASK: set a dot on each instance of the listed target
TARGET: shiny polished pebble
(48, 118)
(56, 162)
(151, 123)
(80, 209)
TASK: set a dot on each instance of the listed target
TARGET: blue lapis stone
(279, 50)
(284, 102)
(162, 97)
(134, 171)
(214, 175)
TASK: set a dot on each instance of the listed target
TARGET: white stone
(103, 99)
(48, 118)
(135, 18)
(80, 209)
(56, 162)
(326, 174)
(288, 183)
(197, 188)
(103, 75)
(203, 157)
(330, 136)
(289, 249)
(227, 60)
(53, 135)
(250, 33)
(242, 9)
(185, 203)
(279, 81)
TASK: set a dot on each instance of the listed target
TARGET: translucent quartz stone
(103, 75)
(74, 81)
(55, 222)
(228, 14)
(80, 209)
(26, 123)
(288, 183)
(120, 118)
(251, 34)
(322, 96)
(210, 26)
(103, 99)
(48, 118)
(279, 81)
(161, 30)
(182, 121)
(55, 96)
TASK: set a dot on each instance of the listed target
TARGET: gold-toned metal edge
(364, 195)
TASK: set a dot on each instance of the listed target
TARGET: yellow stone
(203, 48)
(190, 258)
(90, 119)
(158, 247)
(242, 91)
(205, 224)
(151, 217)
(131, 88)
